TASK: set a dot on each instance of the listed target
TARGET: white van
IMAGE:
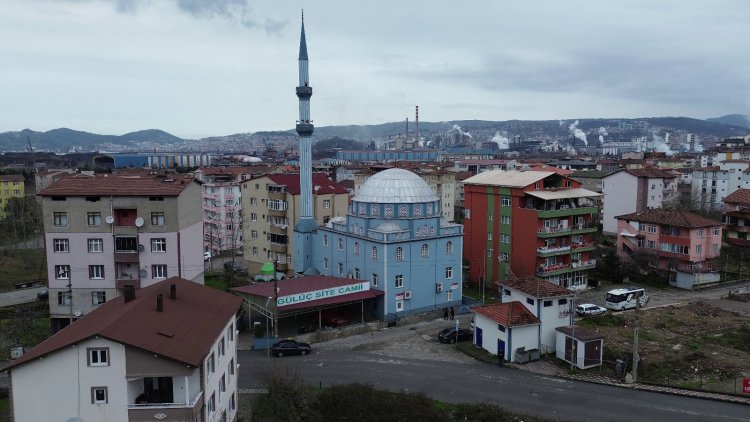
(624, 298)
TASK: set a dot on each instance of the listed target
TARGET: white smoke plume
(578, 133)
(658, 144)
(602, 131)
(501, 141)
(601, 139)
(562, 123)
(457, 128)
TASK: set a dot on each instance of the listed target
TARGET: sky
(199, 68)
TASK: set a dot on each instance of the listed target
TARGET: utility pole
(636, 329)
(573, 348)
(275, 304)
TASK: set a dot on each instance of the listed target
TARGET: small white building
(166, 352)
(549, 303)
(579, 346)
(504, 328)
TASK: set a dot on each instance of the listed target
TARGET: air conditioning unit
(438, 287)
(407, 294)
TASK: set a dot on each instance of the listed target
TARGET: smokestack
(160, 303)
(416, 123)
(128, 292)
(173, 291)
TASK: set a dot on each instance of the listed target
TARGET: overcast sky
(213, 67)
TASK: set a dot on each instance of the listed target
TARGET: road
(17, 297)
(410, 358)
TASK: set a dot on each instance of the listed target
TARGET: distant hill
(327, 148)
(64, 139)
(733, 120)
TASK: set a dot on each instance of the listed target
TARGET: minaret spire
(306, 224)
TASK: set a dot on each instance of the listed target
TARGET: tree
(23, 220)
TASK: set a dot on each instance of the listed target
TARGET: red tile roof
(672, 218)
(292, 286)
(291, 181)
(536, 287)
(511, 314)
(119, 185)
(740, 196)
(235, 170)
(11, 178)
(184, 331)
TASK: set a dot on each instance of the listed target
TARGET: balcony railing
(546, 251)
(565, 230)
(561, 268)
(171, 411)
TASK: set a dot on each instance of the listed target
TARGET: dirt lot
(692, 345)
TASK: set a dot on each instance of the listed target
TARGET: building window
(449, 295)
(399, 305)
(505, 201)
(504, 219)
(326, 203)
(389, 211)
(356, 273)
(230, 367)
(341, 268)
(448, 272)
(210, 364)
(94, 218)
(403, 211)
(159, 245)
(96, 272)
(374, 253)
(253, 201)
(700, 232)
(504, 238)
(325, 240)
(504, 257)
(326, 219)
(62, 272)
(254, 234)
(232, 404)
(158, 271)
(489, 253)
(652, 244)
(62, 245)
(467, 214)
(325, 263)
(374, 279)
(253, 216)
(399, 281)
(489, 217)
(530, 301)
(229, 227)
(715, 248)
(425, 250)
(374, 210)
(399, 253)
(716, 231)
(97, 298)
(651, 228)
(341, 244)
(63, 298)
(221, 347)
(98, 395)
(698, 248)
(212, 403)
(98, 356)
(547, 303)
(60, 218)
(356, 248)
(96, 245)
(489, 235)
(417, 210)
(562, 301)
(222, 384)
(230, 332)
(157, 218)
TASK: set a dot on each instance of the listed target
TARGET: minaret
(306, 224)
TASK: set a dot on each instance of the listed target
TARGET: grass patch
(21, 265)
(24, 325)
(474, 291)
(604, 320)
(739, 339)
(476, 352)
(5, 409)
(216, 283)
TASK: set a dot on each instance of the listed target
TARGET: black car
(290, 347)
(449, 335)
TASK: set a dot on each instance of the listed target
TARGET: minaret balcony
(305, 129)
(304, 92)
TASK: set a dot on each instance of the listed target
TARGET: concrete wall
(552, 316)
(514, 338)
(620, 192)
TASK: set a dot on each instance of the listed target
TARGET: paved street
(17, 297)
(410, 358)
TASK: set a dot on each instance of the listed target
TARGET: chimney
(173, 291)
(128, 292)
(160, 303)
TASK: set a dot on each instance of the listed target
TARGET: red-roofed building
(737, 217)
(271, 206)
(168, 349)
(677, 244)
(504, 328)
(635, 190)
(105, 231)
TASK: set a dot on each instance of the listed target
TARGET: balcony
(549, 270)
(167, 411)
(583, 247)
(545, 232)
(279, 247)
(564, 211)
(278, 229)
(548, 251)
(277, 213)
(120, 283)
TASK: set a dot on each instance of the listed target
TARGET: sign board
(454, 286)
(399, 296)
(322, 294)
(746, 385)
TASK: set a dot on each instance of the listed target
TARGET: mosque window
(374, 253)
(429, 209)
(356, 248)
(389, 211)
(432, 231)
(341, 244)
(325, 240)
(361, 209)
(417, 210)
(325, 263)
(449, 248)
(402, 211)
(425, 250)
(374, 210)
(399, 254)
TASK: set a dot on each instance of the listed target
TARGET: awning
(563, 193)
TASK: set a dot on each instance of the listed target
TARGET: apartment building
(678, 245)
(222, 207)
(525, 223)
(11, 186)
(271, 206)
(712, 184)
(737, 218)
(166, 352)
(106, 231)
(635, 190)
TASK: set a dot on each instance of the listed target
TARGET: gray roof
(509, 178)
(563, 193)
(395, 186)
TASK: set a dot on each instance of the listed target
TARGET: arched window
(356, 248)
(449, 248)
(425, 250)
(399, 254)
(374, 253)
(325, 240)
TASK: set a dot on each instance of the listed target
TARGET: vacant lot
(21, 265)
(696, 345)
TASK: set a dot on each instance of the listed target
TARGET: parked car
(449, 335)
(43, 295)
(587, 309)
(206, 256)
(290, 347)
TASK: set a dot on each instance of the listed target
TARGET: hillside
(732, 119)
(64, 139)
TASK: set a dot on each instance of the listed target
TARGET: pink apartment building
(108, 231)
(677, 244)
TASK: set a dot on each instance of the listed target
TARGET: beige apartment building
(270, 208)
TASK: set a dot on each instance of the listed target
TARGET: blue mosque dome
(395, 186)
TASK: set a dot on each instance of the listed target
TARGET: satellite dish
(139, 222)
(77, 313)
(109, 219)
(143, 273)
